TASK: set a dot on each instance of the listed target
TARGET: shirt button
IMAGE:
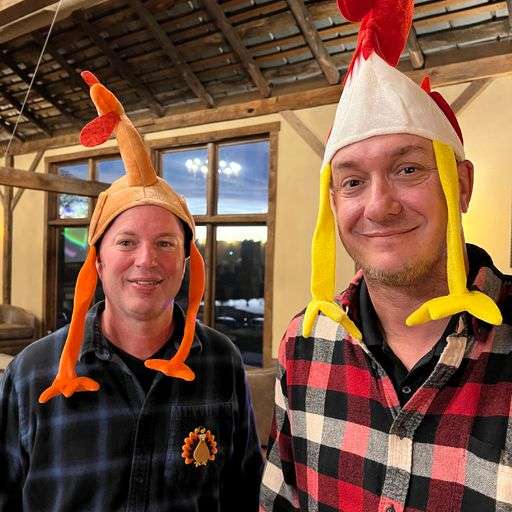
(406, 390)
(139, 480)
(390, 509)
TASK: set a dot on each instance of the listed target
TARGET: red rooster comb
(385, 26)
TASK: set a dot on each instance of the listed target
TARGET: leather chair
(4, 361)
(17, 329)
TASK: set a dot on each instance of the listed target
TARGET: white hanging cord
(33, 78)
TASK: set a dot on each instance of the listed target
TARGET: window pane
(73, 207)
(239, 288)
(182, 297)
(187, 173)
(109, 170)
(71, 255)
(243, 178)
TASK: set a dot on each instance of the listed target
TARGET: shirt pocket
(217, 420)
(489, 472)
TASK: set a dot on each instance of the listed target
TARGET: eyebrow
(401, 151)
(158, 235)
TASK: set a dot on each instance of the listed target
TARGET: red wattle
(98, 130)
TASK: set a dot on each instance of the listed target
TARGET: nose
(146, 255)
(382, 201)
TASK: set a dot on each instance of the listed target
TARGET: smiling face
(141, 262)
(390, 208)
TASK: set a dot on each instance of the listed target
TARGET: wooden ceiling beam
(415, 53)
(509, 7)
(436, 19)
(227, 30)
(315, 43)
(27, 113)
(39, 89)
(12, 177)
(469, 94)
(20, 9)
(121, 68)
(32, 168)
(53, 51)
(304, 132)
(172, 52)
(8, 129)
(466, 65)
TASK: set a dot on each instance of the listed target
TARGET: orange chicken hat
(140, 186)
(378, 99)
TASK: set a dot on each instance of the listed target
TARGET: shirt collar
(482, 276)
(95, 343)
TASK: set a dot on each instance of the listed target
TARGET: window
(68, 223)
(228, 180)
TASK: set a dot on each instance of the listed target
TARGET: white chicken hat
(378, 99)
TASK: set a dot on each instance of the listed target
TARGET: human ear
(466, 174)
(98, 265)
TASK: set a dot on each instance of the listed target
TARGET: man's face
(390, 208)
(141, 262)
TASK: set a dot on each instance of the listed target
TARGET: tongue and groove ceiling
(176, 62)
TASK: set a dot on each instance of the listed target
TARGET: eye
(408, 170)
(124, 242)
(170, 244)
(351, 184)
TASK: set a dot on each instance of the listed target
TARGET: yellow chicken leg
(459, 297)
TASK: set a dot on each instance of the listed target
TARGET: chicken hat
(378, 99)
(140, 186)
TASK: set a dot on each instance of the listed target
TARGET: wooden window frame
(264, 131)
(52, 224)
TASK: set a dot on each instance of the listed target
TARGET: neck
(138, 337)
(393, 305)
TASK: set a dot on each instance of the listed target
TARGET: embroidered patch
(200, 447)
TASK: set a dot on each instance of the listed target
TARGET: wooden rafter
(26, 112)
(40, 89)
(304, 132)
(7, 239)
(55, 54)
(121, 68)
(319, 51)
(11, 177)
(32, 168)
(9, 127)
(217, 14)
(20, 9)
(172, 52)
(509, 7)
(415, 53)
(469, 94)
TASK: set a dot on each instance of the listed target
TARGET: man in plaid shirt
(133, 439)
(398, 395)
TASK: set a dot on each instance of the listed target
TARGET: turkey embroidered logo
(200, 447)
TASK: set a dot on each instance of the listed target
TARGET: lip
(388, 234)
(145, 282)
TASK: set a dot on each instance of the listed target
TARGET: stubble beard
(409, 276)
(426, 272)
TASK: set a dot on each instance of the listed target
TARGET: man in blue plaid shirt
(133, 439)
(396, 395)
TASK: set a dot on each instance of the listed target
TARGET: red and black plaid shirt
(340, 440)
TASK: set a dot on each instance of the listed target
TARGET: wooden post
(7, 246)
